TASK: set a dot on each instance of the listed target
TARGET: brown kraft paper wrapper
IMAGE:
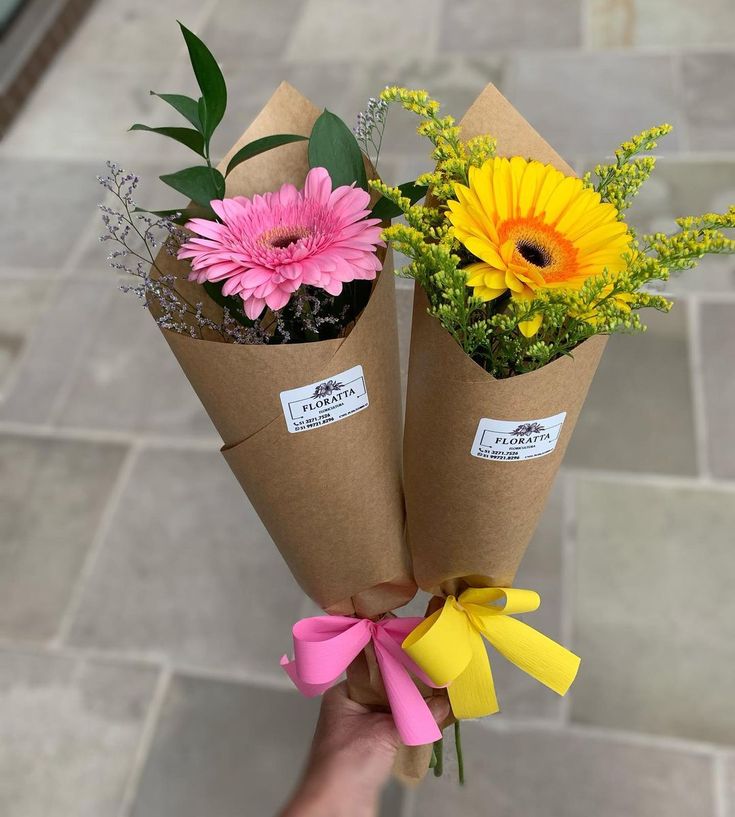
(331, 497)
(470, 519)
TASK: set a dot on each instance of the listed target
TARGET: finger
(439, 706)
(338, 699)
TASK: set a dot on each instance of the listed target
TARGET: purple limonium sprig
(137, 235)
(370, 127)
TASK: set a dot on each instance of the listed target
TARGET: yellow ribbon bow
(448, 647)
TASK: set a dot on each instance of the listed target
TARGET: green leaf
(385, 209)
(333, 145)
(210, 80)
(233, 302)
(186, 136)
(201, 184)
(185, 105)
(260, 146)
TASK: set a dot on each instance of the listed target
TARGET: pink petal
(253, 307)
(333, 286)
(209, 229)
(278, 299)
(318, 185)
(287, 195)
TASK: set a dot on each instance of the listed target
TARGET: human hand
(351, 758)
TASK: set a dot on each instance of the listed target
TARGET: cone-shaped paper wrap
(471, 518)
(330, 496)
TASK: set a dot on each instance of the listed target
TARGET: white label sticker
(325, 401)
(513, 440)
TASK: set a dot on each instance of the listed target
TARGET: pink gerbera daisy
(266, 247)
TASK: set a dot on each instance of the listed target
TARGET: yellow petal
(484, 250)
(529, 328)
(532, 179)
(561, 197)
(601, 236)
(582, 205)
(552, 179)
(512, 282)
(518, 166)
(487, 213)
(602, 214)
(531, 275)
(487, 293)
(494, 279)
(469, 213)
(502, 188)
(507, 252)
(476, 273)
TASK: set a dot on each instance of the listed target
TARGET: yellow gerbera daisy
(532, 227)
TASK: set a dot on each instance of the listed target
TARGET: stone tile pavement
(139, 636)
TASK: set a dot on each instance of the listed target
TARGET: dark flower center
(285, 240)
(282, 237)
(534, 254)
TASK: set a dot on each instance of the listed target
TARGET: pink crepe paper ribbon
(324, 646)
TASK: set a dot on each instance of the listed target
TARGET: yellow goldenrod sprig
(618, 183)
(452, 156)
(607, 303)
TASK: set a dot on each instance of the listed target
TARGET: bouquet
(522, 271)
(274, 290)
(276, 293)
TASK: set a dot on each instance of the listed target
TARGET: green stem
(439, 750)
(460, 757)
(209, 164)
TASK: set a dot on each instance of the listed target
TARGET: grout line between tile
(585, 28)
(654, 480)
(432, 38)
(714, 297)
(15, 429)
(642, 739)
(236, 676)
(696, 370)
(683, 296)
(98, 541)
(145, 742)
(719, 783)
(152, 661)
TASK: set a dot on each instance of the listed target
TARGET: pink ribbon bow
(324, 646)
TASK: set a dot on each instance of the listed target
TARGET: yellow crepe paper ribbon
(449, 647)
